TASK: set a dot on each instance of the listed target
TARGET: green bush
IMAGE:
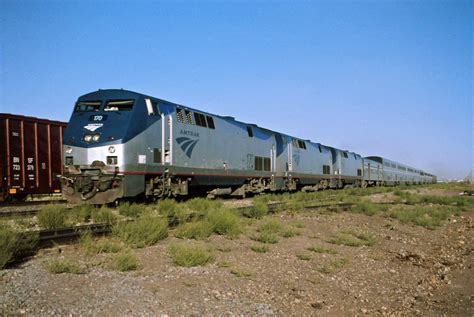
(426, 216)
(353, 239)
(130, 210)
(14, 244)
(198, 230)
(368, 208)
(81, 213)
(91, 246)
(63, 266)
(319, 249)
(203, 206)
(104, 215)
(303, 257)
(168, 207)
(189, 255)
(52, 217)
(144, 231)
(258, 210)
(125, 262)
(332, 266)
(261, 248)
(225, 222)
(266, 237)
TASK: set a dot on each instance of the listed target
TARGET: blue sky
(385, 78)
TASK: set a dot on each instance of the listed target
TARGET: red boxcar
(30, 156)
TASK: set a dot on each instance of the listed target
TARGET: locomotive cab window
(85, 106)
(345, 154)
(119, 105)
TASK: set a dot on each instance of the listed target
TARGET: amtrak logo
(93, 126)
(187, 145)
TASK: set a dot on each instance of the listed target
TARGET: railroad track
(46, 235)
(25, 210)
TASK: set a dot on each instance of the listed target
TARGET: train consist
(122, 144)
(30, 156)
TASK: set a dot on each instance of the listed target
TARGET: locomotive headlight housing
(111, 149)
(95, 137)
(68, 150)
(87, 137)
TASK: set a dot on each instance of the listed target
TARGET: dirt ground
(410, 270)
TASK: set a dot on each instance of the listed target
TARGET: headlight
(95, 137)
(69, 150)
(87, 137)
(111, 149)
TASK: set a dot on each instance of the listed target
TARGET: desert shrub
(259, 248)
(203, 206)
(52, 217)
(426, 216)
(104, 215)
(270, 225)
(303, 256)
(368, 208)
(144, 231)
(130, 210)
(225, 222)
(168, 207)
(353, 239)
(92, 246)
(189, 255)
(198, 230)
(288, 233)
(63, 266)
(258, 210)
(14, 244)
(125, 262)
(320, 249)
(266, 237)
(240, 272)
(332, 266)
(81, 213)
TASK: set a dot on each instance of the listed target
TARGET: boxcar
(30, 156)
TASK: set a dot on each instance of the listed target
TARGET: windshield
(84, 106)
(119, 105)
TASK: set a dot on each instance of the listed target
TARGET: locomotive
(122, 144)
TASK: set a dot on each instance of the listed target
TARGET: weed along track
(400, 251)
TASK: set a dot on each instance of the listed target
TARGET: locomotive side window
(200, 119)
(84, 106)
(258, 163)
(210, 122)
(345, 154)
(119, 105)
(326, 169)
(266, 164)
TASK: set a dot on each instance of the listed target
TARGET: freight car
(30, 156)
(122, 144)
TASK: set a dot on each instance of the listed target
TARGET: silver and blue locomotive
(122, 144)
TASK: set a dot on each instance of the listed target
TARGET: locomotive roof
(228, 118)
